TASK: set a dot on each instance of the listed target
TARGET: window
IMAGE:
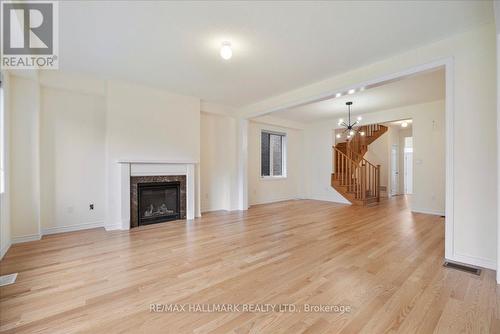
(273, 154)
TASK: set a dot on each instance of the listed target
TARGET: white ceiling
(421, 88)
(277, 46)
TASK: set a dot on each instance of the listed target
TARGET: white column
(243, 164)
(125, 195)
(190, 191)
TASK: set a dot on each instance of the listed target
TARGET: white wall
(279, 189)
(379, 154)
(72, 164)
(218, 164)
(143, 123)
(24, 159)
(497, 21)
(5, 233)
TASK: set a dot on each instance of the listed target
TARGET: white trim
(283, 199)
(472, 260)
(4, 250)
(26, 238)
(114, 227)
(497, 16)
(273, 178)
(148, 168)
(138, 161)
(428, 212)
(71, 228)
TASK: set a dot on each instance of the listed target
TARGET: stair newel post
(348, 175)
(343, 168)
(378, 183)
(363, 180)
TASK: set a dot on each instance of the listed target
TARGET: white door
(394, 170)
(408, 173)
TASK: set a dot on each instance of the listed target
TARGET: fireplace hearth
(157, 199)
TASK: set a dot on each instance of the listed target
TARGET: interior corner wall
(378, 154)
(72, 164)
(279, 189)
(24, 159)
(5, 229)
(218, 162)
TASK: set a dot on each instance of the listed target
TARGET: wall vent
(8, 279)
(462, 267)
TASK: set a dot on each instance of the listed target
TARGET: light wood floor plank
(383, 261)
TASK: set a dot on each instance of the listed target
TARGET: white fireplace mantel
(150, 168)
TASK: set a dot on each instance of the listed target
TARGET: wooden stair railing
(359, 180)
(359, 144)
(355, 177)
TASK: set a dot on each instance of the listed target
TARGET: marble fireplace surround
(155, 168)
(134, 193)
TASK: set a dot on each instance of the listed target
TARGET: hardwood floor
(383, 261)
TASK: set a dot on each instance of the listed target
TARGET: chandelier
(351, 129)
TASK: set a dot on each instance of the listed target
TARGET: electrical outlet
(91, 206)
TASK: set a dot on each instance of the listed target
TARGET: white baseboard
(340, 200)
(275, 200)
(26, 238)
(71, 228)
(474, 261)
(428, 212)
(4, 250)
(113, 227)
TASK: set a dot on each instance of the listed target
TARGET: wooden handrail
(360, 177)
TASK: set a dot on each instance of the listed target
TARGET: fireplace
(158, 202)
(157, 199)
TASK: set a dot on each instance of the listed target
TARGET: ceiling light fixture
(225, 50)
(351, 91)
(350, 128)
(404, 124)
(338, 95)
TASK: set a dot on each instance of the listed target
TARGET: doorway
(394, 169)
(408, 166)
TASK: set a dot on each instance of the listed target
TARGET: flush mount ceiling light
(350, 128)
(404, 124)
(225, 51)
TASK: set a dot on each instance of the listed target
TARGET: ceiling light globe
(351, 91)
(351, 133)
(360, 118)
(404, 124)
(340, 121)
(338, 135)
(362, 133)
(225, 51)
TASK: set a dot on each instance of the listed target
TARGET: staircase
(356, 178)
